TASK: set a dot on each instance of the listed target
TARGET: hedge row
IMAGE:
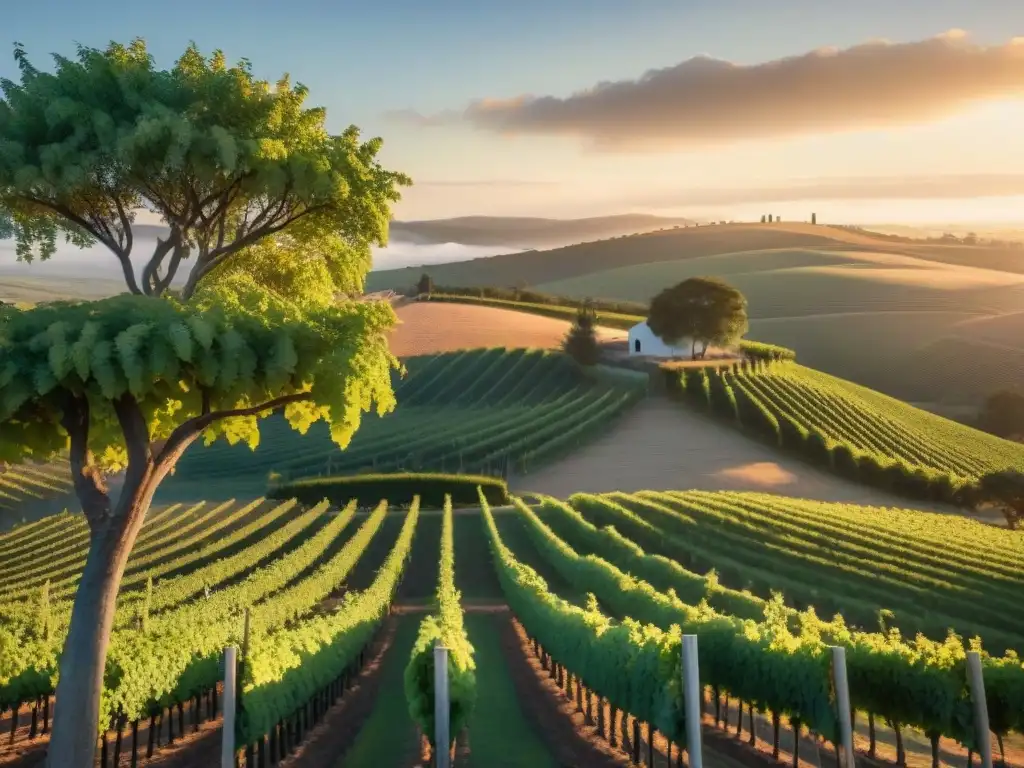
(538, 297)
(725, 396)
(398, 488)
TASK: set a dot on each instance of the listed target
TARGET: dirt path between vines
(549, 714)
(325, 744)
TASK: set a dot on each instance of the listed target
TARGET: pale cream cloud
(705, 101)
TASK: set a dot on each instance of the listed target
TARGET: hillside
(670, 559)
(934, 324)
(527, 232)
(535, 268)
(32, 289)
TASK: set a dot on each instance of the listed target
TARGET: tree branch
(218, 255)
(150, 281)
(67, 213)
(180, 252)
(186, 433)
(135, 430)
(126, 226)
(90, 486)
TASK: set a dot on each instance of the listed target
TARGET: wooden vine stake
(442, 708)
(977, 686)
(692, 701)
(227, 750)
(842, 689)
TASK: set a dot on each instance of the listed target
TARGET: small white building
(643, 342)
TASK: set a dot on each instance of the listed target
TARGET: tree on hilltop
(704, 310)
(1005, 489)
(425, 284)
(1003, 414)
(580, 342)
(269, 217)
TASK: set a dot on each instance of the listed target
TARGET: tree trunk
(76, 720)
(872, 743)
(775, 735)
(794, 724)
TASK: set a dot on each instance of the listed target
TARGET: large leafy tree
(704, 310)
(269, 221)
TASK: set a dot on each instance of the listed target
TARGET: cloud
(705, 101)
(856, 188)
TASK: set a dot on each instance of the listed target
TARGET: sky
(903, 111)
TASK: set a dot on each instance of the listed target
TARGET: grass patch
(388, 735)
(499, 734)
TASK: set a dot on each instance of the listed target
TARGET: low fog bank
(98, 262)
(399, 255)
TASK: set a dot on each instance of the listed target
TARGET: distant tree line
(947, 238)
(529, 296)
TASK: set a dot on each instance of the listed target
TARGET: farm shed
(643, 342)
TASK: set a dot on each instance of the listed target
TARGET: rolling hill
(934, 324)
(525, 231)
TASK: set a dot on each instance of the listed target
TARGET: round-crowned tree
(235, 313)
(704, 310)
(1002, 414)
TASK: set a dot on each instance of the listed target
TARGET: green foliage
(168, 357)
(611, 314)
(425, 285)
(477, 411)
(1003, 414)
(702, 309)
(837, 557)
(721, 396)
(222, 158)
(445, 628)
(758, 350)
(921, 683)
(316, 270)
(636, 667)
(286, 668)
(859, 433)
(527, 297)
(177, 654)
(554, 439)
(1006, 490)
(433, 489)
(580, 341)
(762, 663)
(152, 557)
